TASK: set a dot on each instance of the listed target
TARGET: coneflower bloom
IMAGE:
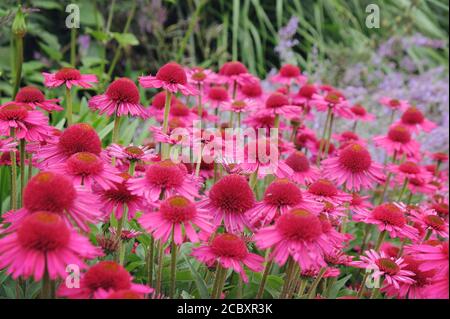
(121, 99)
(421, 185)
(334, 100)
(360, 204)
(278, 104)
(394, 104)
(297, 233)
(251, 91)
(414, 119)
(230, 252)
(105, 276)
(179, 215)
(323, 190)
(354, 168)
(26, 123)
(86, 169)
(280, 196)
(304, 94)
(131, 153)
(166, 178)
(398, 140)
(409, 169)
(348, 137)
(392, 270)
(170, 77)
(76, 138)
(240, 106)
(430, 221)
(418, 289)
(289, 74)
(361, 114)
(216, 96)
(235, 72)
(43, 242)
(49, 191)
(183, 112)
(198, 76)
(7, 145)
(388, 217)
(33, 97)
(303, 171)
(229, 200)
(69, 77)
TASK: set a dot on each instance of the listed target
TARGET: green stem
(22, 166)
(73, 46)
(110, 16)
(160, 262)
(262, 284)
(380, 240)
(173, 265)
(405, 184)
(164, 146)
(313, 288)
(13, 198)
(18, 64)
(46, 290)
(322, 141)
(69, 106)
(330, 131)
(150, 259)
(288, 278)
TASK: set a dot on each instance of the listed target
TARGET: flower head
(69, 77)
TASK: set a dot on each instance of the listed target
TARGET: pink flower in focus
(69, 77)
(231, 252)
(288, 75)
(33, 97)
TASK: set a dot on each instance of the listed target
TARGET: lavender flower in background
(152, 13)
(84, 41)
(286, 41)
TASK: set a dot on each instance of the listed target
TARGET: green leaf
(105, 131)
(125, 39)
(199, 282)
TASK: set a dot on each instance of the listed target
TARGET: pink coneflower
(354, 168)
(33, 97)
(216, 96)
(114, 199)
(348, 137)
(421, 185)
(360, 204)
(76, 138)
(398, 140)
(279, 105)
(334, 100)
(26, 123)
(86, 169)
(328, 222)
(183, 112)
(171, 77)
(180, 215)
(394, 104)
(414, 119)
(43, 242)
(120, 99)
(7, 145)
(69, 77)
(388, 217)
(280, 196)
(125, 234)
(230, 252)
(391, 269)
(166, 178)
(303, 171)
(257, 120)
(288, 75)
(198, 75)
(430, 221)
(297, 233)
(361, 114)
(240, 106)
(305, 138)
(229, 200)
(409, 169)
(235, 72)
(305, 94)
(416, 290)
(106, 276)
(49, 191)
(131, 153)
(323, 190)
(252, 91)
